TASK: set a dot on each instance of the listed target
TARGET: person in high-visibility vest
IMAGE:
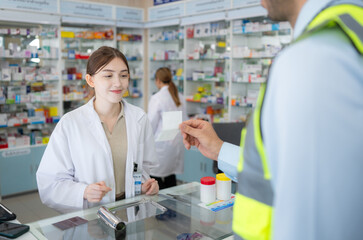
(300, 165)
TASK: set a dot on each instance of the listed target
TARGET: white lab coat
(170, 153)
(78, 154)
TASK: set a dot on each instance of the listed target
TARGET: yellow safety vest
(253, 208)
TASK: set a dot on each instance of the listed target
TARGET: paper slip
(170, 129)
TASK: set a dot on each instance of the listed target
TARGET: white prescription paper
(170, 128)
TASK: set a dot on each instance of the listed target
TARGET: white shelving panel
(166, 49)
(78, 41)
(207, 70)
(30, 96)
(130, 41)
(254, 42)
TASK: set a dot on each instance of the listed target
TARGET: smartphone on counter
(12, 230)
(6, 214)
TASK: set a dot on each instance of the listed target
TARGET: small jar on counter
(223, 186)
(207, 189)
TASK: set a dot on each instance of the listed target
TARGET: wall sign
(171, 10)
(159, 2)
(16, 152)
(241, 3)
(129, 14)
(50, 6)
(86, 9)
(201, 6)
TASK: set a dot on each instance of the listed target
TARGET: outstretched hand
(150, 187)
(201, 134)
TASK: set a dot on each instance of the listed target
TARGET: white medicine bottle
(207, 189)
(223, 185)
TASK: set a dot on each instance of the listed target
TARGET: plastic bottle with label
(223, 186)
(207, 189)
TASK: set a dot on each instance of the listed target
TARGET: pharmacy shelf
(22, 147)
(134, 52)
(166, 60)
(207, 67)
(166, 49)
(27, 124)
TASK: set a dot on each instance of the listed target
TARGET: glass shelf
(167, 41)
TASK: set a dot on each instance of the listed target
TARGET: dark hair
(103, 56)
(165, 76)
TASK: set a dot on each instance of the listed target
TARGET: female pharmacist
(93, 150)
(170, 153)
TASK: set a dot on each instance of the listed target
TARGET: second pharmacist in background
(169, 153)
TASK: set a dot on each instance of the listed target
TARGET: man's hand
(201, 134)
(96, 191)
(150, 187)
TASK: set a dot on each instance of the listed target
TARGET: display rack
(166, 49)
(130, 41)
(255, 42)
(78, 41)
(207, 70)
(30, 97)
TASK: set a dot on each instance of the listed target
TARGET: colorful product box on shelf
(251, 68)
(71, 54)
(67, 34)
(14, 121)
(5, 74)
(205, 30)
(25, 98)
(45, 140)
(22, 141)
(38, 112)
(39, 140)
(29, 77)
(198, 31)
(3, 120)
(54, 95)
(37, 119)
(23, 117)
(53, 111)
(55, 119)
(198, 76)
(12, 91)
(2, 51)
(3, 144)
(11, 141)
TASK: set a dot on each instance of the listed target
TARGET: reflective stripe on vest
(348, 17)
(253, 208)
(252, 211)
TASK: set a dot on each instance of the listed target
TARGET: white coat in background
(169, 153)
(78, 154)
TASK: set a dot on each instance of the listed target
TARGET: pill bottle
(207, 189)
(223, 186)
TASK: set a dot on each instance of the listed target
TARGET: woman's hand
(96, 191)
(150, 187)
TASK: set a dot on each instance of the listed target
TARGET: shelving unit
(78, 41)
(130, 41)
(254, 42)
(30, 98)
(207, 75)
(166, 49)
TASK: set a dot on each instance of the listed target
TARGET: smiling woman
(93, 150)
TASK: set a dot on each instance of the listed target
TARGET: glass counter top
(180, 218)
